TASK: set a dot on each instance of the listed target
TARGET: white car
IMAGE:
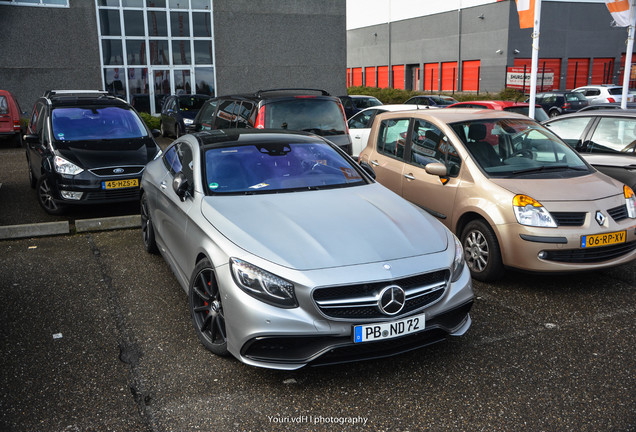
(360, 124)
(598, 94)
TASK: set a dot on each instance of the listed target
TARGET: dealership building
(145, 49)
(471, 45)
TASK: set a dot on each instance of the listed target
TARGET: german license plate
(607, 239)
(388, 330)
(120, 184)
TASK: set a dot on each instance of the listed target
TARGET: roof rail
(49, 93)
(323, 92)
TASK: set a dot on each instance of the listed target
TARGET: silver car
(292, 254)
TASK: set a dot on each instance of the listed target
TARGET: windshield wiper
(541, 168)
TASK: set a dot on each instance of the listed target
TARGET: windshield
(442, 101)
(319, 116)
(539, 113)
(96, 123)
(277, 167)
(368, 102)
(187, 103)
(514, 147)
(575, 97)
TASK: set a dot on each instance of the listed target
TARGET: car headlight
(63, 166)
(263, 285)
(630, 201)
(529, 211)
(458, 261)
(187, 121)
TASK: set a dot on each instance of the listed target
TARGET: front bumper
(87, 188)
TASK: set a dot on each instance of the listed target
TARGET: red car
(10, 114)
(517, 107)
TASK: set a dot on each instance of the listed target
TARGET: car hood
(585, 188)
(105, 153)
(326, 228)
(611, 159)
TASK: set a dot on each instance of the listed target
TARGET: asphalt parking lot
(96, 336)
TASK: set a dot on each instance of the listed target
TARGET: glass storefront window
(138, 89)
(201, 26)
(132, 3)
(112, 52)
(108, 2)
(114, 81)
(181, 52)
(182, 81)
(159, 54)
(179, 4)
(205, 81)
(109, 22)
(136, 52)
(156, 3)
(201, 4)
(179, 24)
(202, 52)
(157, 23)
(134, 23)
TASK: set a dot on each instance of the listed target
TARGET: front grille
(618, 213)
(590, 255)
(569, 218)
(109, 172)
(359, 302)
(130, 194)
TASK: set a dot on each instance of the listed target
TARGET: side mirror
(436, 169)
(155, 133)
(32, 139)
(181, 186)
(368, 169)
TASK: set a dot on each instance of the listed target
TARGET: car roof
(453, 115)
(501, 103)
(599, 113)
(281, 93)
(223, 137)
(398, 107)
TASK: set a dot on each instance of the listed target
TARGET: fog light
(71, 195)
(543, 254)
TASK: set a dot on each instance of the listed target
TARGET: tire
(206, 310)
(553, 113)
(482, 251)
(45, 196)
(147, 228)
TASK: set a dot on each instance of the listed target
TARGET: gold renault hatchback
(510, 189)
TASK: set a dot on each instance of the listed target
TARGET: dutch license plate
(603, 239)
(388, 330)
(120, 184)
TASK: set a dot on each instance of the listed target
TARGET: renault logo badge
(600, 218)
(391, 300)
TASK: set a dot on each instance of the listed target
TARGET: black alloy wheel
(206, 309)
(45, 196)
(481, 251)
(147, 228)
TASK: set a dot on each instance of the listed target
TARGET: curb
(63, 227)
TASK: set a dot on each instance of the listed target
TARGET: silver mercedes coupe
(291, 254)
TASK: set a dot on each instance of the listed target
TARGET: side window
(171, 160)
(39, 126)
(207, 114)
(593, 92)
(569, 130)
(37, 111)
(429, 144)
(392, 137)
(225, 115)
(614, 135)
(243, 118)
(178, 158)
(362, 120)
(348, 104)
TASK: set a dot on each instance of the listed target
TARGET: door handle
(376, 163)
(409, 176)
(163, 185)
(357, 137)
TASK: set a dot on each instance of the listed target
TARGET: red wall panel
(470, 75)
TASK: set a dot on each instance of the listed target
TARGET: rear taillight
(16, 124)
(566, 105)
(611, 100)
(260, 118)
(345, 118)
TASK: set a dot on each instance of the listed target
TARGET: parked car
(598, 94)
(11, 118)
(431, 100)
(86, 147)
(561, 102)
(360, 124)
(179, 111)
(608, 105)
(263, 231)
(605, 138)
(509, 106)
(306, 110)
(514, 193)
(353, 104)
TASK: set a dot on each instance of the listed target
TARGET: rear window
(96, 123)
(615, 90)
(4, 105)
(575, 97)
(539, 113)
(319, 116)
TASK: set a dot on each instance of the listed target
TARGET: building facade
(145, 49)
(468, 45)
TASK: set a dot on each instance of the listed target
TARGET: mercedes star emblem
(391, 300)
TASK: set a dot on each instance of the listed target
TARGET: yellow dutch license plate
(120, 184)
(606, 239)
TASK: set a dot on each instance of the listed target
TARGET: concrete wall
(48, 48)
(577, 30)
(280, 43)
